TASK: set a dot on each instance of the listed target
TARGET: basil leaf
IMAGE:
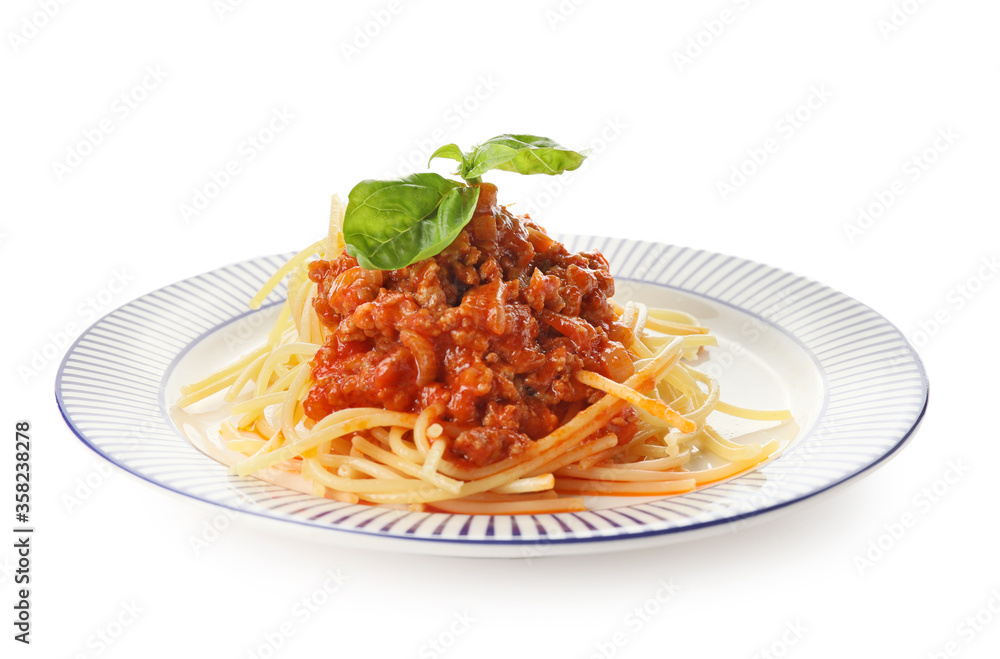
(449, 151)
(536, 155)
(485, 157)
(391, 224)
(524, 154)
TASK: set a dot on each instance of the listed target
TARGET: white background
(462, 71)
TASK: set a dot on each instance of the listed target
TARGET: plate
(856, 388)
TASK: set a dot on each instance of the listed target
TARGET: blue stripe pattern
(110, 390)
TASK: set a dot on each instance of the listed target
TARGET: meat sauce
(491, 331)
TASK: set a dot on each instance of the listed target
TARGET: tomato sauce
(491, 330)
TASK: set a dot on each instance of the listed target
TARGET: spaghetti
(494, 378)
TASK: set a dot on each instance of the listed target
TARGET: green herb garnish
(391, 224)
(524, 154)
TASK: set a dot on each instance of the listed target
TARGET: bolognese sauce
(491, 332)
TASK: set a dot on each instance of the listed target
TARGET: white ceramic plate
(856, 388)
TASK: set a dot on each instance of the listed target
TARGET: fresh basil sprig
(394, 223)
(391, 224)
(524, 154)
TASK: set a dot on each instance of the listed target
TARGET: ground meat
(492, 329)
(482, 446)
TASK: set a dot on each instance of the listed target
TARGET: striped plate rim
(110, 390)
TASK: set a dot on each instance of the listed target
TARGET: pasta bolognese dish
(439, 352)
